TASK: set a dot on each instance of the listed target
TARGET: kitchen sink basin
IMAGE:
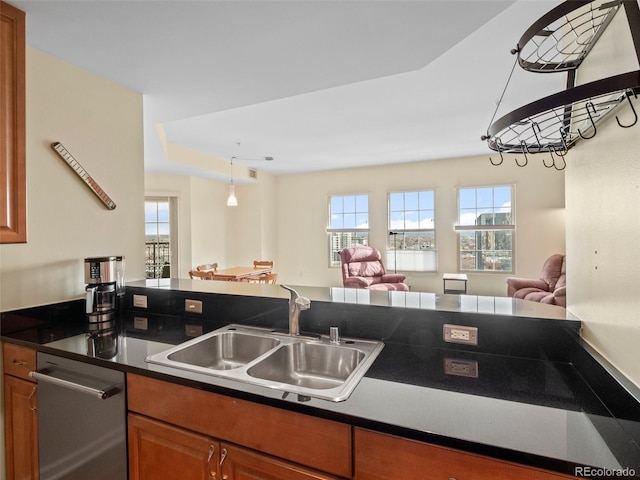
(309, 367)
(224, 351)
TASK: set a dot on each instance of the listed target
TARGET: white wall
(302, 216)
(603, 227)
(100, 123)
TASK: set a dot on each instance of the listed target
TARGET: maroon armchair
(362, 267)
(550, 288)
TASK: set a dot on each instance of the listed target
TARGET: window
(485, 229)
(412, 236)
(157, 227)
(348, 224)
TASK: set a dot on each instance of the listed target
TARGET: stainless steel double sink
(314, 367)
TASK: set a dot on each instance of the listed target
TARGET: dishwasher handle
(41, 376)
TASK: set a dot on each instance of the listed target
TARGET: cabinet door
(13, 210)
(161, 451)
(241, 464)
(21, 429)
(381, 457)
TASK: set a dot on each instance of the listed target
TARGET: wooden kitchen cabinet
(380, 457)
(158, 450)
(315, 443)
(241, 464)
(20, 411)
(13, 201)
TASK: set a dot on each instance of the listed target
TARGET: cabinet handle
(31, 407)
(223, 455)
(212, 450)
(20, 363)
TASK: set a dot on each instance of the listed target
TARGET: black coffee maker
(105, 284)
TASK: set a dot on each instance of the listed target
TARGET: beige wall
(252, 233)
(100, 123)
(302, 216)
(209, 231)
(284, 218)
(179, 187)
(603, 227)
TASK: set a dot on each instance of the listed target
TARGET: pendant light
(232, 201)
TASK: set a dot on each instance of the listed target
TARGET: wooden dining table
(238, 273)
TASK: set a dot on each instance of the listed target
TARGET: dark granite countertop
(553, 407)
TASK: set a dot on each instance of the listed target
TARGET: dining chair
(260, 264)
(264, 278)
(263, 264)
(207, 267)
(201, 275)
(269, 278)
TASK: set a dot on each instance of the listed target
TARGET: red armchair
(362, 267)
(551, 288)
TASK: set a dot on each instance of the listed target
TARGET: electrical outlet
(140, 301)
(193, 330)
(461, 368)
(140, 323)
(193, 306)
(460, 334)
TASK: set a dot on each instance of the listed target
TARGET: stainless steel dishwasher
(81, 420)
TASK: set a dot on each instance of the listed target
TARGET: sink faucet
(297, 303)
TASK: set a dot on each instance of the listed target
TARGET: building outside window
(348, 224)
(412, 238)
(485, 229)
(157, 228)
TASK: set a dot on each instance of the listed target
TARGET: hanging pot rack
(560, 40)
(556, 123)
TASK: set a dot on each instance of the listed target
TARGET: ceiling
(316, 85)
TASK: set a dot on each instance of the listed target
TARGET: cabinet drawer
(18, 361)
(318, 443)
(380, 457)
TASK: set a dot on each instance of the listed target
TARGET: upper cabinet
(13, 208)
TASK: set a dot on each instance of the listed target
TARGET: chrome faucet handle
(303, 303)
